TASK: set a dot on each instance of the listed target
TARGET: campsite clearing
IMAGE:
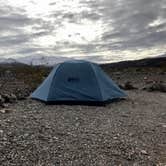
(129, 132)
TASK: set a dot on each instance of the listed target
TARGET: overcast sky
(112, 30)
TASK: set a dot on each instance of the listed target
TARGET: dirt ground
(128, 132)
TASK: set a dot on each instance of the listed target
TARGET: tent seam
(97, 80)
(52, 81)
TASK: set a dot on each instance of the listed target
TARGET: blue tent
(75, 82)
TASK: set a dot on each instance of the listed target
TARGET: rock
(2, 100)
(131, 134)
(117, 73)
(20, 96)
(6, 98)
(136, 164)
(121, 86)
(5, 105)
(9, 98)
(144, 152)
(12, 98)
(8, 110)
(4, 111)
(145, 78)
(162, 73)
(128, 86)
(161, 87)
(164, 125)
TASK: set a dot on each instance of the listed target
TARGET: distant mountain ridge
(51, 61)
(147, 62)
(8, 61)
(35, 61)
(42, 60)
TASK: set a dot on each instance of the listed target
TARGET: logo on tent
(73, 79)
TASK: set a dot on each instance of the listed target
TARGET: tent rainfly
(76, 82)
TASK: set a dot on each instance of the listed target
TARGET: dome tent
(77, 82)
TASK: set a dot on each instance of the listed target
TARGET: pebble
(144, 152)
(164, 125)
(3, 111)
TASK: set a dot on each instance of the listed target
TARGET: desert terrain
(128, 132)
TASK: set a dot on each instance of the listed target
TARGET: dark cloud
(130, 21)
(13, 40)
(127, 23)
(12, 18)
(15, 20)
(29, 50)
(14, 23)
(77, 18)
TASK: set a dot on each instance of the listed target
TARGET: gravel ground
(129, 132)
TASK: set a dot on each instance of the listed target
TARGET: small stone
(155, 87)
(2, 100)
(145, 78)
(12, 98)
(56, 138)
(4, 111)
(6, 98)
(121, 86)
(128, 86)
(5, 105)
(117, 73)
(144, 152)
(131, 134)
(164, 125)
(20, 96)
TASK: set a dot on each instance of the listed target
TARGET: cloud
(130, 23)
(82, 27)
(13, 40)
